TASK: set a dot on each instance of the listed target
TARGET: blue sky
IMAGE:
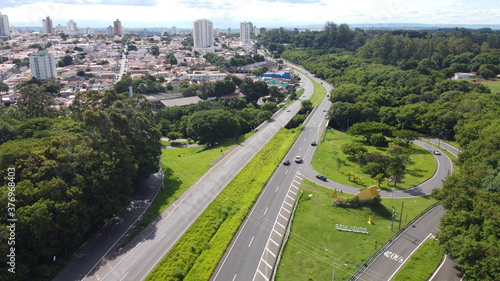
(263, 13)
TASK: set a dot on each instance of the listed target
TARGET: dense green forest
(66, 171)
(401, 78)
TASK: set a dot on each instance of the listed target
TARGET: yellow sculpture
(368, 193)
(338, 197)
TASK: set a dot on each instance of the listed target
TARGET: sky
(262, 13)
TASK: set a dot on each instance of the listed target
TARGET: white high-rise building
(246, 28)
(47, 26)
(71, 26)
(4, 25)
(59, 28)
(203, 34)
(42, 65)
(173, 30)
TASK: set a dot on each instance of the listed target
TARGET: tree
(353, 149)
(212, 126)
(34, 102)
(368, 129)
(406, 135)
(155, 51)
(4, 88)
(254, 90)
(66, 60)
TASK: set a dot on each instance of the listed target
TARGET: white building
(4, 26)
(71, 26)
(207, 76)
(246, 28)
(203, 34)
(47, 25)
(59, 28)
(42, 65)
(461, 75)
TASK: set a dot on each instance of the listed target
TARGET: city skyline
(263, 13)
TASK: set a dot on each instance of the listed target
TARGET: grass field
(494, 86)
(182, 167)
(318, 94)
(329, 150)
(197, 252)
(422, 263)
(309, 255)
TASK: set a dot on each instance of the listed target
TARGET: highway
(395, 254)
(138, 258)
(254, 250)
(257, 243)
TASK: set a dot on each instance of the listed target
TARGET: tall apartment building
(203, 34)
(47, 26)
(42, 65)
(71, 26)
(117, 27)
(59, 29)
(246, 28)
(4, 26)
(173, 30)
(109, 30)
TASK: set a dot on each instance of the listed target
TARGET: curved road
(255, 247)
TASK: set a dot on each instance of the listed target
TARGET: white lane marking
(274, 242)
(270, 252)
(251, 241)
(234, 278)
(286, 172)
(265, 212)
(277, 232)
(277, 188)
(161, 238)
(262, 274)
(124, 275)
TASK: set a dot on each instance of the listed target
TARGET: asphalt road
(447, 270)
(395, 254)
(137, 259)
(109, 238)
(444, 168)
(257, 243)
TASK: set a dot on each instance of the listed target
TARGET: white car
(297, 159)
(437, 152)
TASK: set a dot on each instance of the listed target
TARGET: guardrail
(361, 269)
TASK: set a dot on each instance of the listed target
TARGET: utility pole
(334, 265)
(401, 215)
(393, 215)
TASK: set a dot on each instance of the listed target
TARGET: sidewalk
(113, 233)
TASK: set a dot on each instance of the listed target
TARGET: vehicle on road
(286, 162)
(321, 177)
(298, 159)
(314, 143)
(437, 152)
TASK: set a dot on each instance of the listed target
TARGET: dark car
(314, 143)
(321, 177)
(286, 162)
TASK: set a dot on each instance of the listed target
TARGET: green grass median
(422, 263)
(198, 251)
(182, 167)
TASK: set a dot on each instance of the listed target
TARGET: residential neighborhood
(98, 61)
